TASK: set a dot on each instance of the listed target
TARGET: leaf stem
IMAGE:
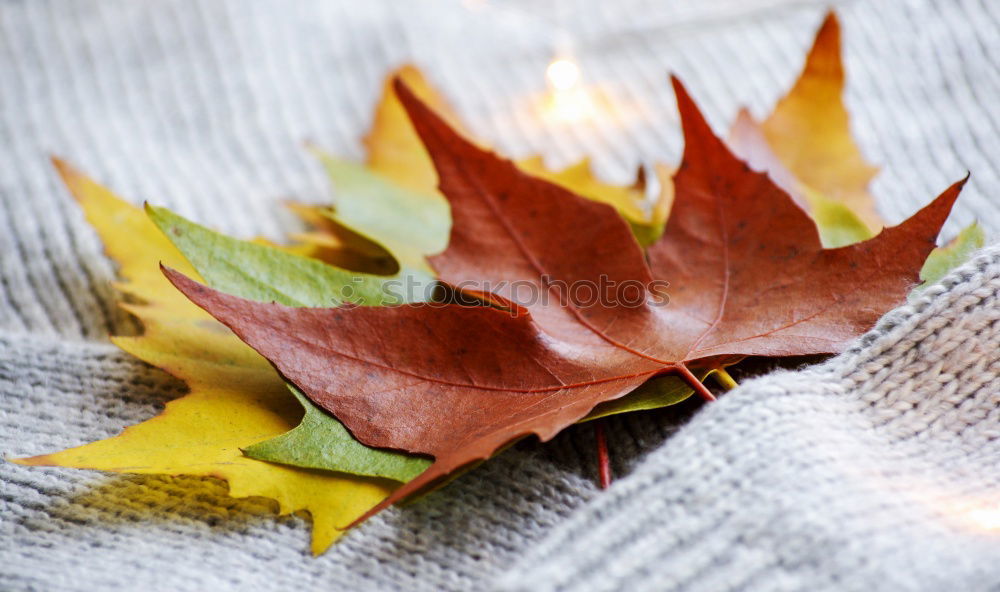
(603, 459)
(694, 383)
(724, 379)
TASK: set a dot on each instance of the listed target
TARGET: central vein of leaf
(726, 273)
(556, 387)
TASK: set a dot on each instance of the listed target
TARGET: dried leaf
(393, 200)
(407, 224)
(659, 392)
(838, 226)
(322, 442)
(809, 130)
(748, 277)
(747, 268)
(266, 274)
(226, 379)
(393, 149)
(943, 259)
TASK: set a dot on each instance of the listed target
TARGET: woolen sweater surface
(876, 469)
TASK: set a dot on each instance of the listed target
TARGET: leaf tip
(824, 56)
(162, 217)
(33, 461)
(951, 193)
(830, 27)
(692, 120)
(182, 282)
(926, 223)
(409, 71)
(701, 144)
(403, 91)
(62, 167)
(425, 121)
(678, 86)
(69, 174)
(312, 148)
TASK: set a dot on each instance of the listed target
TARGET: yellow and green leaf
(809, 130)
(943, 259)
(236, 398)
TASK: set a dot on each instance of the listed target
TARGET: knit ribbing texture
(874, 470)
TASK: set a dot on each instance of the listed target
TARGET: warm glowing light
(571, 105)
(976, 512)
(568, 101)
(563, 74)
(986, 518)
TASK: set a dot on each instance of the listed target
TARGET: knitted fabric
(874, 470)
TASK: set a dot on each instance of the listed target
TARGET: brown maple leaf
(747, 277)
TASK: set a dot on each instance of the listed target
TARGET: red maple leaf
(747, 276)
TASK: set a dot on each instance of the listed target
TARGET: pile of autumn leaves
(398, 398)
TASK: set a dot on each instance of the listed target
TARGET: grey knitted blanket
(875, 470)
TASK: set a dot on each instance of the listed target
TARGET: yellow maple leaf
(236, 398)
(809, 130)
(393, 148)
